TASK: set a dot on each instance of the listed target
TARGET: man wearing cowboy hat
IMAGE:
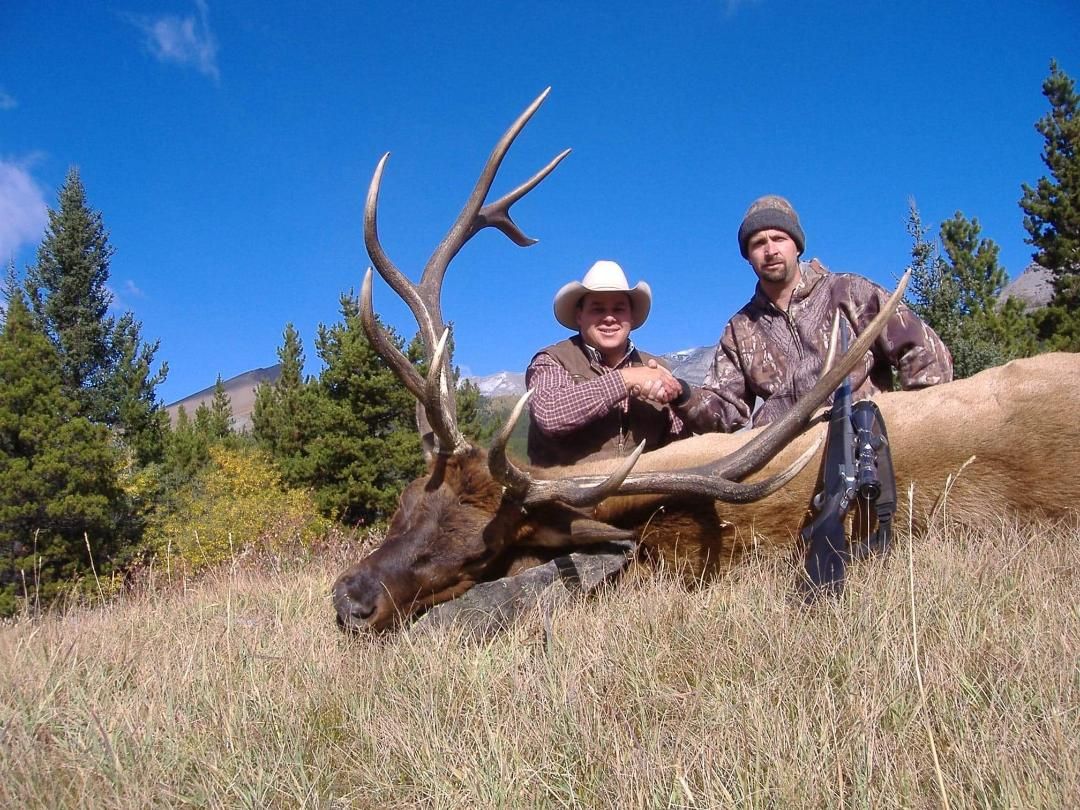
(596, 395)
(774, 347)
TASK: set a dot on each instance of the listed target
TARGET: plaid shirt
(561, 405)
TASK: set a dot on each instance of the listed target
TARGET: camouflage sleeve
(908, 344)
(723, 403)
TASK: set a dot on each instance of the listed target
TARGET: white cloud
(121, 299)
(23, 212)
(186, 41)
(7, 101)
(132, 289)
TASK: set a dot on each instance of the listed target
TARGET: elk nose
(353, 612)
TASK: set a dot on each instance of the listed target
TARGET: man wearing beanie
(773, 349)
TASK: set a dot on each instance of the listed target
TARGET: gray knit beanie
(771, 211)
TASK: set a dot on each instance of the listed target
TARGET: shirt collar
(809, 275)
(597, 359)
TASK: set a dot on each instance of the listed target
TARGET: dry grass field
(946, 676)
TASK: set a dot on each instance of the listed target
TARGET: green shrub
(237, 503)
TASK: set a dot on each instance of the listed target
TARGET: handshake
(654, 383)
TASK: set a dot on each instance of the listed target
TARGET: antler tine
(387, 269)
(515, 480)
(437, 401)
(707, 484)
(398, 362)
(834, 333)
(580, 491)
(591, 490)
(497, 214)
(474, 217)
(436, 394)
(583, 491)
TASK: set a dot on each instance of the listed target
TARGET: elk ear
(586, 530)
(427, 435)
(427, 442)
(562, 527)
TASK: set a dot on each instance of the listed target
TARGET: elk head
(466, 519)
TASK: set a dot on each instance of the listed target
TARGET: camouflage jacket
(777, 356)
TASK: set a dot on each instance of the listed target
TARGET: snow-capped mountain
(691, 364)
(501, 384)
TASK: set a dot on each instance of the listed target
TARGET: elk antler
(718, 479)
(435, 395)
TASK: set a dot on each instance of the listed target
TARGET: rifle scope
(867, 444)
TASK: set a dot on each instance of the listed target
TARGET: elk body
(1004, 442)
(700, 503)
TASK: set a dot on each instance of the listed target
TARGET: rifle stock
(858, 465)
(826, 538)
(828, 550)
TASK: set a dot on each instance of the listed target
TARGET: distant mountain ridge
(1034, 287)
(500, 384)
(240, 390)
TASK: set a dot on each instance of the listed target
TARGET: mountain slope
(241, 392)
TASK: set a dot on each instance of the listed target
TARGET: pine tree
(68, 293)
(932, 291)
(291, 356)
(105, 366)
(977, 276)
(283, 419)
(958, 295)
(10, 289)
(473, 419)
(130, 392)
(186, 451)
(220, 421)
(1052, 207)
(189, 443)
(365, 446)
(58, 484)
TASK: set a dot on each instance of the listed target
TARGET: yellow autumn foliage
(238, 503)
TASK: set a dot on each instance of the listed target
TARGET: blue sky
(229, 147)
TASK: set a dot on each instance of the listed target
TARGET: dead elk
(702, 502)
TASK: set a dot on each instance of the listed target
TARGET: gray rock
(491, 607)
(1034, 287)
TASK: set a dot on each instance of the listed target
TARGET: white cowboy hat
(604, 276)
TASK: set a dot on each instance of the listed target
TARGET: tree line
(957, 288)
(95, 481)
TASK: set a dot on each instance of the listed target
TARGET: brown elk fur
(1017, 421)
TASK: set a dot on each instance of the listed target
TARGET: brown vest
(614, 434)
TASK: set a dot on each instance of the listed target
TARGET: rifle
(858, 469)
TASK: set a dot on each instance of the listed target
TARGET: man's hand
(651, 382)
